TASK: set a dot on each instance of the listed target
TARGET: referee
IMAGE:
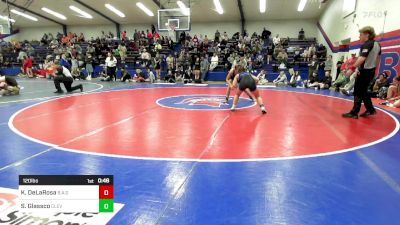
(366, 64)
(64, 76)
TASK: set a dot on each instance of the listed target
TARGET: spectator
(89, 65)
(30, 50)
(312, 80)
(214, 62)
(312, 66)
(156, 36)
(78, 49)
(170, 62)
(179, 74)
(305, 55)
(205, 41)
(328, 64)
(182, 37)
(74, 64)
(394, 88)
(44, 39)
(340, 81)
(78, 74)
(123, 35)
(125, 76)
(187, 76)
(157, 47)
(59, 36)
(196, 69)
(28, 63)
(281, 79)
(282, 57)
(146, 57)
(110, 35)
(53, 44)
(301, 34)
(195, 40)
(393, 102)
(276, 40)
(265, 36)
(81, 38)
(325, 83)
(204, 65)
(170, 77)
(262, 77)
(91, 49)
(379, 87)
(311, 51)
(50, 37)
(339, 64)
(381, 82)
(149, 37)
(111, 64)
(136, 35)
(348, 87)
(393, 95)
(21, 56)
(296, 54)
(225, 37)
(150, 75)
(259, 61)
(243, 62)
(321, 51)
(157, 66)
(122, 51)
(295, 80)
(217, 36)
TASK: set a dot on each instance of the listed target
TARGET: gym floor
(179, 156)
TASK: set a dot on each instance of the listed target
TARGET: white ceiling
(202, 11)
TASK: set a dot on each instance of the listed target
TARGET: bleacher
(133, 60)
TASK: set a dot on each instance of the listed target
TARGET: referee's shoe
(350, 115)
(367, 113)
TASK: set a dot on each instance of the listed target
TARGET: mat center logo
(202, 102)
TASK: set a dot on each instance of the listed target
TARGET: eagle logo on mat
(202, 102)
(210, 101)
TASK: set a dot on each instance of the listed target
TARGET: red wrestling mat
(130, 123)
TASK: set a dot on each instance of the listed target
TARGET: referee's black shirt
(371, 50)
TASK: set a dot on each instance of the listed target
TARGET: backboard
(173, 19)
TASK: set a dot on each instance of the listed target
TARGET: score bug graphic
(65, 193)
(106, 198)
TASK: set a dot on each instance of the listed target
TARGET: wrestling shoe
(350, 115)
(367, 113)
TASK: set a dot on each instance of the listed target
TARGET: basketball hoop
(171, 27)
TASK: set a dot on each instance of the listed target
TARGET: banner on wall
(390, 60)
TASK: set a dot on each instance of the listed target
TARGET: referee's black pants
(67, 81)
(361, 94)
